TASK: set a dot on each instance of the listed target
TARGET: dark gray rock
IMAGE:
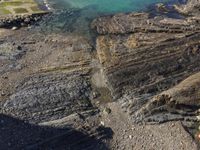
(50, 96)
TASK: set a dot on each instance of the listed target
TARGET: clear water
(106, 6)
(75, 16)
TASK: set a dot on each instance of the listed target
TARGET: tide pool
(76, 15)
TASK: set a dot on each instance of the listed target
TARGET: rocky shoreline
(20, 20)
(20, 13)
(136, 88)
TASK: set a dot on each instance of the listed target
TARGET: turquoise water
(107, 6)
(75, 16)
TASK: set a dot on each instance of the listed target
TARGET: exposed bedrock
(142, 22)
(48, 100)
(54, 96)
(143, 56)
(181, 102)
(151, 67)
(148, 62)
(190, 8)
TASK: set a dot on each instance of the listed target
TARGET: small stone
(27, 20)
(5, 77)
(102, 123)
(94, 95)
(19, 48)
(130, 136)
(97, 103)
(126, 136)
(14, 28)
(172, 125)
(107, 111)
(3, 93)
(198, 135)
(198, 118)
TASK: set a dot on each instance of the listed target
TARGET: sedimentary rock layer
(58, 85)
(143, 56)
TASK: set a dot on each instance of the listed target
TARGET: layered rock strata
(56, 87)
(143, 56)
(46, 82)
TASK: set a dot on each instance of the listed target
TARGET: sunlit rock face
(137, 69)
(143, 56)
(136, 48)
(190, 8)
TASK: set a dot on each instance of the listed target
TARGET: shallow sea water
(106, 6)
(75, 16)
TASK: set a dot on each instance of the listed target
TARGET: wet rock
(161, 8)
(16, 21)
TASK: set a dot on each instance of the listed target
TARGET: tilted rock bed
(150, 66)
(143, 56)
(48, 99)
(42, 97)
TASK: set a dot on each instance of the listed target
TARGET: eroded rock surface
(146, 66)
(143, 56)
(51, 91)
(178, 103)
(52, 95)
(191, 7)
(60, 85)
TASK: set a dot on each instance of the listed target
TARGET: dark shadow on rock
(18, 135)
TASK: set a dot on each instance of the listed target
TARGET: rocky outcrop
(50, 96)
(143, 56)
(142, 22)
(57, 90)
(178, 103)
(51, 92)
(147, 59)
(20, 20)
(150, 65)
(190, 8)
